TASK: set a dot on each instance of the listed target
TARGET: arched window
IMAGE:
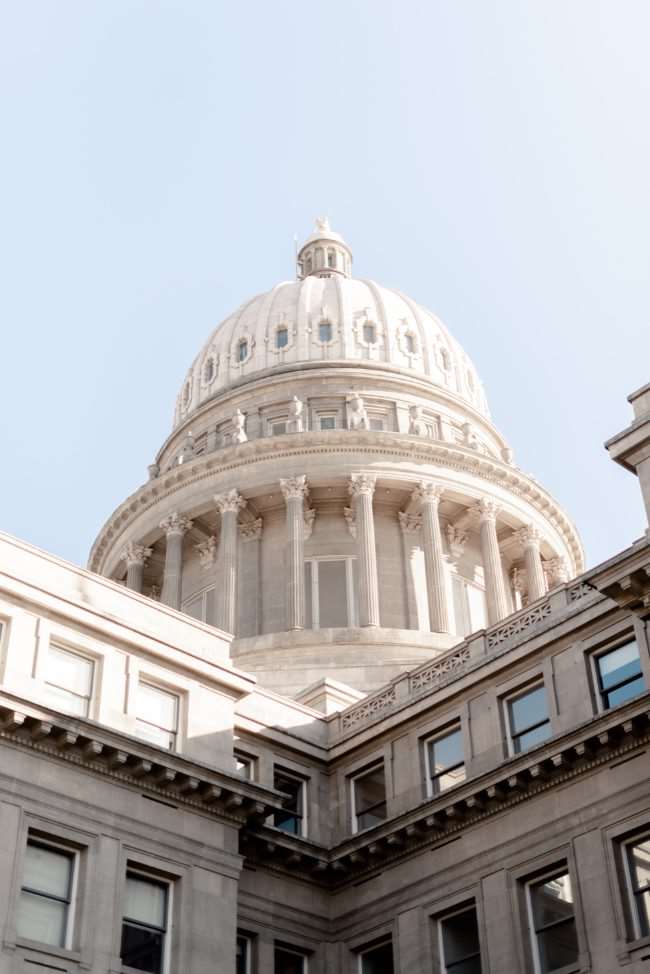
(308, 265)
(242, 350)
(325, 331)
(369, 334)
(282, 338)
(209, 370)
(411, 346)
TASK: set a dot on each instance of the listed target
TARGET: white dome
(368, 322)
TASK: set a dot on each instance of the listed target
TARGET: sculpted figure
(295, 420)
(357, 416)
(239, 427)
(417, 425)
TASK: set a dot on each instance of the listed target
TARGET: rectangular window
(201, 606)
(279, 428)
(292, 817)
(281, 338)
(325, 332)
(243, 766)
(243, 955)
(44, 908)
(619, 675)
(144, 927)
(328, 422)
(377, 960)
(330, 590)
(638, 871)
(368, 798)
(69, 679)
(469, 606)
(377, 424)
(445, 761)
(528, 720)
(460, 948)
(552, 922)
(288, 961)
(369, 334)
(157, 715)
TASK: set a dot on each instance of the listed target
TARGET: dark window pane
(288, 963)
(552, 900)
(460, 937)
(643, 912)
(529, 708)
(470, 966)
(558, 947)
(241, 964)
(289, 819)
(613, 698)
(530, 738)
(142, 948)
(378, 961)
(445, 752)
(619, 665)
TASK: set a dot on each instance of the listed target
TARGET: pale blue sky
(489, 157)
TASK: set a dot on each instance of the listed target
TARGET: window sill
(632, 950)
(38, 948)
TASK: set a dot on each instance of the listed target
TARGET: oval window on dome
(369, 334)
(242, 350)
(411, 346)
(282, 338)
(209, 370)
(325, 331)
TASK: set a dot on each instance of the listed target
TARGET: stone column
(174, 525)
(135, 555)
(229, 505)
(529, 538)
(429, 497)
(295, 490)
(495, 590)
(362, 487)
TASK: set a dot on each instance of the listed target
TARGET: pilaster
(362, 488)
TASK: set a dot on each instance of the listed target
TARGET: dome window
(411, 345)
(242, 350)
(446, 361)
(282, 338)
(209, 370)
(325, 331)
(331, 258)
(369, 334)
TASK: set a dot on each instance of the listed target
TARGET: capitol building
(337, 693)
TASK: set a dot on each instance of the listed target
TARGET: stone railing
(480, 646)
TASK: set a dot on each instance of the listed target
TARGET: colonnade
(422, 515)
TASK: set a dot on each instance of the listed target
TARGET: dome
(328, 317)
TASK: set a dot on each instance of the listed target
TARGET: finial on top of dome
(325, 253)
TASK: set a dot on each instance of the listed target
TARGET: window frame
(350, 590)
(561, 869)
(363, 951)
(281, 329)
(353, 778)
(599, 654)
(154, 684)
(248, 940)
(440, 919)
(302, 815)
(244, 758)
(626, 845)
(516, 694)
(292, 951)
(201, 595)
(62, 647)
(320, 339)
(327, 417)
(37, 840)
(138, 871)
(447, 731)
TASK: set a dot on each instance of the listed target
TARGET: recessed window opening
(469, 606)
(69, 680)
(445, 761)
(325, 331)
(288, 961)
(528, 719)
(638, 875)
(368, 797)
(186, 393)
(243, 766)
(45, 904)
(292, 817)
(202, 606)
(157, 715)
(446, 360)
(378, 959)
(209, 370)
(619, 675)
(330, 593)
(282, 338)
(242, 350)
(460, 947)
(279, 427)
(331, 258)
(411, 346)
(328, 422)
(244, 951)
(145, 923)
(369, 334)
(552, 921)
(376, 423)
(308, 264)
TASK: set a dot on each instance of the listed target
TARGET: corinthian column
(174, 525)
(495, 590)
(135, 556)
(229, 505)
(429, 497)
(529, 538)
(362, 487)
(295, 490)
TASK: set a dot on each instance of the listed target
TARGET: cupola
(324, 254)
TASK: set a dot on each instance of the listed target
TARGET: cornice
(375, 445)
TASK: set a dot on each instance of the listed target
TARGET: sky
(490, 159)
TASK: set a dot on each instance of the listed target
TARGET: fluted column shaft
(495, 589)
(362, 488)
(295, 490)
(174, 526)
(135, 556)
(429, 497)
(229, 506)
(530, 539)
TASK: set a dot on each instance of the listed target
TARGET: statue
(239, 428)
(357, 414)
(417, 426)
(295, 420)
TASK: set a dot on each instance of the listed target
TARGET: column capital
(229, 501)
(175, 523)
(457, 539)
(409, 523)
(251, 530)
(557, 571)
(485, 510)
(528, 536)
(428, 493)
(135, 554)
(295, 487)
(362, 484)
